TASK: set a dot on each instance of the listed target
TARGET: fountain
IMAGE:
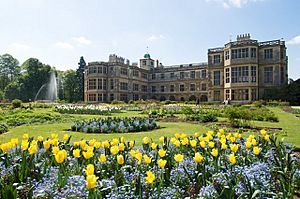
(51, 89)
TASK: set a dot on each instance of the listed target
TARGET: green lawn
(45, 130)
(289, 122)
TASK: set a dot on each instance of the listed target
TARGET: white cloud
(82, 40)
(294, 41)
(20, 46)
(64, 45)
(233, 3)
(155, 37)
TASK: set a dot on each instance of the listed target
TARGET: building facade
(243, 70)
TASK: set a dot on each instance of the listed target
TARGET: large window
(135, 87)
(217, 59)
(124, 71)
(239, 74)
(227, 55)
(162, 89)
(192, 87)
(144, 76)
(203, 87)
(253, 94)
(123, 86)
(203, 74)
(154, 76)
(153, 89)
(100, 87)
(268, 53)
(192, 74)
(92, 69)
(227, 75)
(172, 88)
(162, 76)
(217, 78)
(135, 73)
(268, 75)
(92, 97)
(144, 88)
(253, 74)
(123, 97)
(181, 75)
(281, 74)
(181, 87)
(92, 84)
(111, 84)
(172, 75)
(217, 95)
(240, 94)
(104, 84)
(239, 53)
(253, 52)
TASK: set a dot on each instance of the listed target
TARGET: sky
(58, 32)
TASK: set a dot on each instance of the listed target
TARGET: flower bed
(115, 125)
(89, 109)
(216, 165)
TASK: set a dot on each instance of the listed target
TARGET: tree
(69, 83)
(79, 84)
(12, 90)
(9, 70)
(35, 75)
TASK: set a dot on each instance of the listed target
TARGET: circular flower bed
(115, 125)
(215, 165)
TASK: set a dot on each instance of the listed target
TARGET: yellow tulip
(183, 135)
(162, 163)
(263, 132)
(90, 169)
(161, 153)
(203, 144)
(55, 150)
(196, 135)
(114, 142)
(76, 153)
(4, 147)
(198, 158)
(46, 144)
(178, 158)
(177, 135)
(105, 144)
(234, 147)
(224, 146)
(121, 147)
(102, 158)
(147, 159)
(153, 146)
(254, 142)
(267, 137)
(40, 138)
(139, 157)
(88, 154)
(193, 143)
(55, 142)
(146, 140)
(120, 159)
(54, 136)
(248, 144)
(97, 145)
(150, 177)
(60, 157)
(211, 144)
(256, 150)
(132, 153)
(25, 136)
(66, 137)
(232, 159)
(32, 149)
(177, 143)
(75, 144)
(24, 145)
(131, 144)
(185, 141)
(162, 139)
(91, 181)
(114, 150)
(214, 152)
(92, 142)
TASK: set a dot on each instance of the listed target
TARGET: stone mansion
(240, 71)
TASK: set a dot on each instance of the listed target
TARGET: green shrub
(3, 128)
(16, 103)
